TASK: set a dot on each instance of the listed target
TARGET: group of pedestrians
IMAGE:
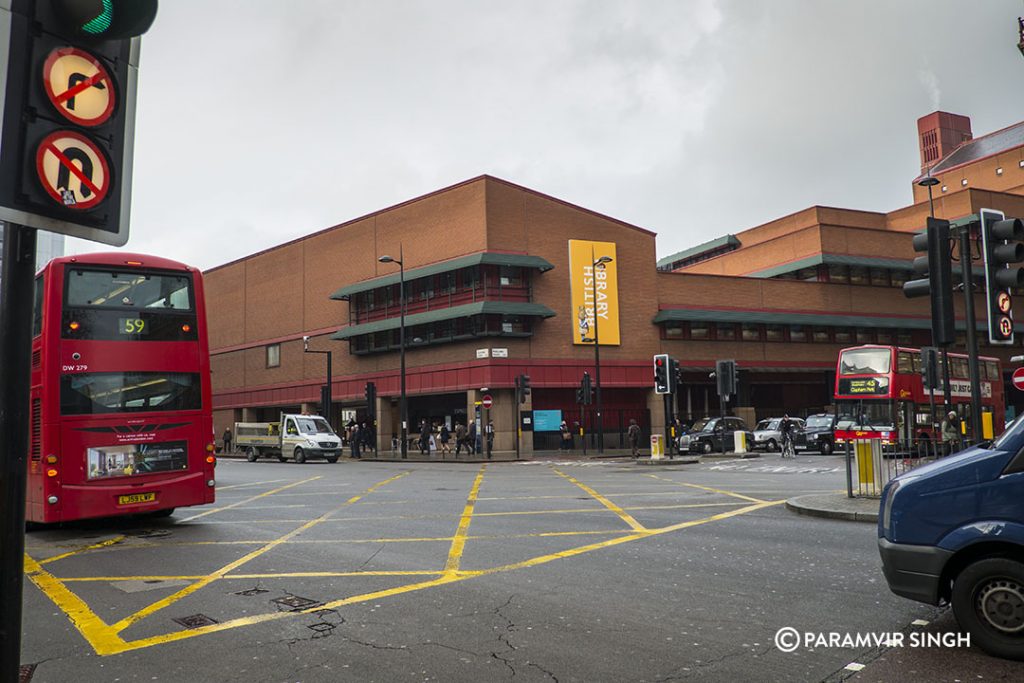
(438, 437)
(360, 437)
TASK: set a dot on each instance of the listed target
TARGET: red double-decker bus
(121, 414)
(880, 394)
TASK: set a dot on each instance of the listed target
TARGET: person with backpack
(634, 436)
(460, 438)
(786, 430)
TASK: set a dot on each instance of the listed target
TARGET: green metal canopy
(838, 260)
(485, 258)
(464, 311)
(788, 318)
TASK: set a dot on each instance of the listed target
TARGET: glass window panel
(273, 355)
(725, 331)
(774, 333)
(821, 335)
(865, 335)
(797, 333)
(700, 331)
(858, 275)
(843, 335)
(839, 274)
(751, 332)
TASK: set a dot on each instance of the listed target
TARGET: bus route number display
(869, 386)
(132, 326)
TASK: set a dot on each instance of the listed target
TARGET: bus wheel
(825, 447)
(251, 454)
(332, 459)
(300, 456)
(167, 512)
(988, 601)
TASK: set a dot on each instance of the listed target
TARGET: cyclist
(786, 428)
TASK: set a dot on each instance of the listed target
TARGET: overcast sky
(261, 121)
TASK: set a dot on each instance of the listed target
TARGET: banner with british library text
(594, 289)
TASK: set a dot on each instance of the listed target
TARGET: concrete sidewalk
(836, 506)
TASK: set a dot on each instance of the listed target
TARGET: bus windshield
(865, 414)
(865, 362)
(87, 288)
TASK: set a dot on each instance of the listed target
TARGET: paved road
(560, 570)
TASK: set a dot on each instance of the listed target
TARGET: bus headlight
(211, 483)
(52, 500)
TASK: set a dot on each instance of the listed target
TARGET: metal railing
(872, 463)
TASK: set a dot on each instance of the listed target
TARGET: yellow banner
(590, 284)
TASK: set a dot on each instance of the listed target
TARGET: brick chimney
(940, 133)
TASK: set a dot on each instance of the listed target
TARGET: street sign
(73, 170)
(487, 401)
(78, 86)
(1018, 379)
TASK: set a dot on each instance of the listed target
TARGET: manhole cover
(25, 672)
(252, 591)
(322, 627)
(196, 621)
(294, 603)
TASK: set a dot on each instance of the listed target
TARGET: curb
(731, 456)
(802, 508)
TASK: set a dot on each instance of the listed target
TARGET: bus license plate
(136, 498)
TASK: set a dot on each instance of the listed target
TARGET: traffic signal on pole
(727, 376)
(674, 375)
(930, 367)
(662, 370)
(371, 400)
(587, 389)
(936, 278)
(69, 112)
(1001, 248)
(523, 383)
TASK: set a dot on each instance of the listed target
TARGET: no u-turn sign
(73, 169)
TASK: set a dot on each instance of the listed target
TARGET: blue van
(953, 532)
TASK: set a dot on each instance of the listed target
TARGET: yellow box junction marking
(106, 639)
(249, 500)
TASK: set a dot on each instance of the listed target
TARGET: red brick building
(489, 297)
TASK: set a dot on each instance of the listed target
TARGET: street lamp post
(599, 263)
(328, 398)
(402, 405)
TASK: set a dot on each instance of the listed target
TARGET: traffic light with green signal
(69, 114)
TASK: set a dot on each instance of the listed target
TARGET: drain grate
(25, 672)
(252, 591)
(196, 621)
(293, 603)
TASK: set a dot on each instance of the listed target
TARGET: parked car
(819, 434)
(706, 435)
(953, 531)
(768, 435)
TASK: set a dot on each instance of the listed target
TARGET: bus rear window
(865, 362)
(122, 289)
(129, 392)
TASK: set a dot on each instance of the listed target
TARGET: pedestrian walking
(950, 434)
(489, 437)
(424, 438)
(566, 444)
(634, 436)
(471, 437)
(460, 438)
(355, 439)
(227, 441)
(445, 436)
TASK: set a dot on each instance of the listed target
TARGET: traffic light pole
(16, 305)
(972, 333)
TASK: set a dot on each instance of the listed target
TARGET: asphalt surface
(557, 570)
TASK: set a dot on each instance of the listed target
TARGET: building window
(858, 276)
(797, 333)
(821, 335)
(865, 335)
(774, 333)
(898, 277)
(725, 331)
(904, 337)
(843, 335)
(700, 331)
(839, 274)
(751, 332)
(879, 277)
(673, 330)
(807, 274)
(273, 355)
